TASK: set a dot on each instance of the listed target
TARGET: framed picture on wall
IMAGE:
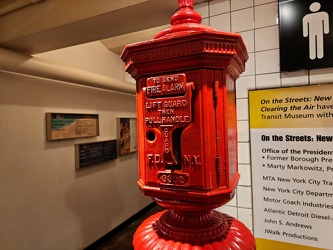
(60, 126)
(127, 135)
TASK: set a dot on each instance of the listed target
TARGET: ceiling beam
(117, 43)
(55, 24)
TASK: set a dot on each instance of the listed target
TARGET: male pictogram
(315, 25)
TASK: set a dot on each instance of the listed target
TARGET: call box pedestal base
(186, 230)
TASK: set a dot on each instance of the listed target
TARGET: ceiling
(37, 26)
(117, 43)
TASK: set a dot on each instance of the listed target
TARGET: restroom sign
(306, 34)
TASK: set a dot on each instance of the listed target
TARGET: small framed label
(87, 154)
(127, 135)
(61, 126)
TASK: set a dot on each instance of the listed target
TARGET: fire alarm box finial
(185, 13)
(185, 20)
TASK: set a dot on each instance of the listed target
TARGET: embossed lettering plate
(172, 178)
(167, 111)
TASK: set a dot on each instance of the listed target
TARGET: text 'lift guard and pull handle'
(167, 112)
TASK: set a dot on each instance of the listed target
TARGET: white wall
(44, 202)
(257, 22)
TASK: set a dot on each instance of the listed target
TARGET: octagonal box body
(186, 113)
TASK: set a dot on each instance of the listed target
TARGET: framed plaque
(61, 126)
(87, 154)
(127, 135)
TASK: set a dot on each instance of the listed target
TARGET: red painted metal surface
(221, 232)
(186, 111)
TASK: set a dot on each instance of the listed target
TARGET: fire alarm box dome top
(184, 20)
(189, 45)
(188, 51)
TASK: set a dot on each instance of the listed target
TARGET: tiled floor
(121, 237)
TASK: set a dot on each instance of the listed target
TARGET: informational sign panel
(292, 167)
(306, 34)
(61, 126)
(87, 154)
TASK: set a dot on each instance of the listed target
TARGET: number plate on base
(172, 178)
